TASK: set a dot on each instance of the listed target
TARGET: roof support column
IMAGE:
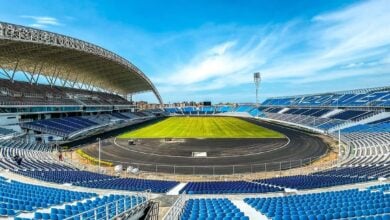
(56, 77)
(75, 81)
(31, 78)
(14, 71)
(5, 73)
(66, 79)
(38, 74)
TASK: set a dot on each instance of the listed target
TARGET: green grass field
(202, 127)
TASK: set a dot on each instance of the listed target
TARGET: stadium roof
(42, 53)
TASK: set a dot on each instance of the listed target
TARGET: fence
(260, 170)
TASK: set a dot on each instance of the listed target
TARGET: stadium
(74, 145)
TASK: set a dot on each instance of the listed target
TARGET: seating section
(31, 160)
(256, 112)
(311, 181)
(374, 97)
(227, 187)
(330, 124)
(23, 93)
(17, 197)
(60, 126)
(368, 157)
(369, 144)
(59, 172)
(22, 144)
(6, 132)
(271, 110)
(121, 116)
(206, 110)
(225, 108)
(382, 187)
(211, 209)
(351, 114)
(347, 204)
(131, 184)
(66, 126)
(316, 117)
(95, 180)
(102, 119)
(244, 108)
(327, 178)
(383, 120)
(328, 111)
(331, 177)
(69, 176)
(366, 171)
(377, 127)
(106, 207)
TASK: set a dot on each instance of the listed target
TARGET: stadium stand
(60, 126)
(131, 184)
(382, 187)
(317, 118)
(65, 176)
(226, 108)
(100, 181)
(31, 160)
(330, 111)
(25, 201)
(66, 126)
(24, 93)
(22, 144)
(6, 132)
(17, 197)
(379, 97)
(328, 178)
(244, 108)
(347, 204)
(211, 209)
(311, 181)
(320, 111)
(227, 187)
(206, 110)
(106, 207)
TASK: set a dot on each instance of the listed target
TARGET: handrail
(177, 208)
(107, 208)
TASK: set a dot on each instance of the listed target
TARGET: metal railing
(115, 208)
(177, 208)
(290, 167)
(153, 212)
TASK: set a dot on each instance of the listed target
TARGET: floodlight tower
(257, 81)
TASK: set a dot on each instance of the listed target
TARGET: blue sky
(208, 50)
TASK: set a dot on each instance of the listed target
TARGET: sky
(209, 50)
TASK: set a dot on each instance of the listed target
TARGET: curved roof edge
(32, 35)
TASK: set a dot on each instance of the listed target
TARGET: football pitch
(202, 127)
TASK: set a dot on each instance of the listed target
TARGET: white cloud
(215, 62)
(42, 21)
(345, 43)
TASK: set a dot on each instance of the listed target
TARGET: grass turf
(202, 127)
